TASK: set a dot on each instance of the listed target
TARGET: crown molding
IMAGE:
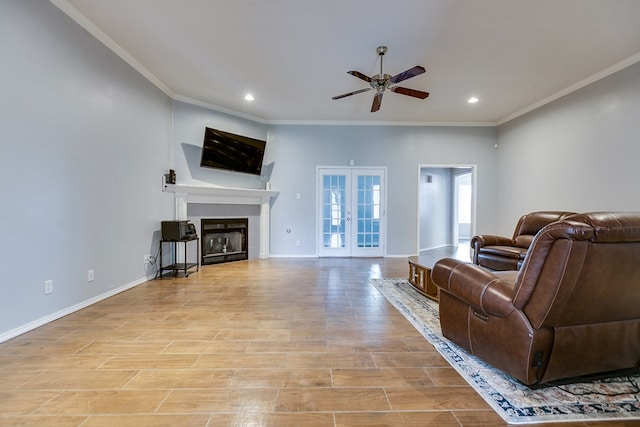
(591, 79)
(95, 31)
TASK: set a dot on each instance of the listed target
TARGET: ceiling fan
(381, 82)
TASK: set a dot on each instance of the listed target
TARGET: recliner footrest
(506, 251)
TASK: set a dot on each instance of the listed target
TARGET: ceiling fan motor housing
(380, 81)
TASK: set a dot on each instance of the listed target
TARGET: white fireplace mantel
(223, 195)
(209, 194)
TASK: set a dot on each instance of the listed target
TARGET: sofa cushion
(524, 240)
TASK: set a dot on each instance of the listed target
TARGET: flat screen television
(228, 151)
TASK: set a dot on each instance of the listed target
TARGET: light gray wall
(577, 154)
(297, 150)
(189, 122)
(84, 140)
(293, 153)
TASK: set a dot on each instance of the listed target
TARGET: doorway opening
(446, 206)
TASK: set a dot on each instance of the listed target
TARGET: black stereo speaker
(178, 230)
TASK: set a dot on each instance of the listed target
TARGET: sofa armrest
(491, 240)
(481, 240)
(490, 292)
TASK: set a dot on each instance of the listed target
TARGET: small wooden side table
(178, 266)
(420, 278)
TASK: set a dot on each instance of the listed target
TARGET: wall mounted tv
(228, 151)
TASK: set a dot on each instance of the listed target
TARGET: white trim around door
(351, 211)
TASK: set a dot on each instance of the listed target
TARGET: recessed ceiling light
(249, 97)
(472, 100)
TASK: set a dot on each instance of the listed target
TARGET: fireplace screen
(224, 240)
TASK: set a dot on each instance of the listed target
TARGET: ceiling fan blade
(352, 93)
(377, 101)
(410, 92)
(411, 72)
(359, 75)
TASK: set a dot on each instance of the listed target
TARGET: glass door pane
(335, 215)
(334, 210)
(368, 209)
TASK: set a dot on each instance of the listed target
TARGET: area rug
(601, 400)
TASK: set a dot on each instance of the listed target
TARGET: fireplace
(185, 195)
(224, 239)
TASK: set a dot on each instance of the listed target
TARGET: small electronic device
(178, 230)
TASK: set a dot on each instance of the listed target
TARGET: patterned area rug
(610, 399)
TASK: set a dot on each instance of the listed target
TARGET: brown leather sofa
(572, 310)
(503, 253)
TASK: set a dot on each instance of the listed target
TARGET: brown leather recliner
(503, 253)
(572, 310)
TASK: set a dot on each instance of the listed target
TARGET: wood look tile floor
(276, 342)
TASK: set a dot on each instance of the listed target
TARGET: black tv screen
(228, 151)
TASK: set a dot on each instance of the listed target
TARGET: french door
(351, 212)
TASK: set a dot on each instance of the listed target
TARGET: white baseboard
(66, 311)
(316, 256)
(293, 256)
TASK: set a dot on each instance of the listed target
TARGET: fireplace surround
(224, 239)
(208, 194)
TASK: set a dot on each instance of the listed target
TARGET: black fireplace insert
(224, 239)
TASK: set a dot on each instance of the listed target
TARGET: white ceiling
(293, 55)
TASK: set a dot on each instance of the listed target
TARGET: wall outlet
(48, 287)
(147, 259)
(90, 276)
(297, 242)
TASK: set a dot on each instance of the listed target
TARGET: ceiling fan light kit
(381, 82)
